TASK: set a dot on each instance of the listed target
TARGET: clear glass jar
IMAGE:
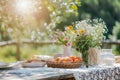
(106, 57)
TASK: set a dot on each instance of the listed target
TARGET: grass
(8, 53)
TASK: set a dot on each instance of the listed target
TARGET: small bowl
(33, 64)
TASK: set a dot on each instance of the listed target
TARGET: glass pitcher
(106, 57)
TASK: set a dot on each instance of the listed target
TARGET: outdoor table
(91, 73)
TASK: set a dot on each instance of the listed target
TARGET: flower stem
(85, 58)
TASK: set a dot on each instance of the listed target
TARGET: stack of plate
(33, 64)
(4, 65)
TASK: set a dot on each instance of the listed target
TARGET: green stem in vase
(85, 58)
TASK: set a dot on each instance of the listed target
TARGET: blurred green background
(36, 19)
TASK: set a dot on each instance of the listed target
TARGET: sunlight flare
(24, 6)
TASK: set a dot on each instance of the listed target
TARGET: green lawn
(8, 53)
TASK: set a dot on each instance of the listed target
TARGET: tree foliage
(44, 16)
(47, 15)
(116, 36)
(108, 10)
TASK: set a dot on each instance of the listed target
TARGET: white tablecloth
(98, 73)
(91, 73)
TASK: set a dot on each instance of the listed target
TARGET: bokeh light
(24, 6)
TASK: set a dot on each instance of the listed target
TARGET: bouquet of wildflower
(83, 35)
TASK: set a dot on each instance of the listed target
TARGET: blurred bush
(116, 36)
(108, 10)
(8, 53)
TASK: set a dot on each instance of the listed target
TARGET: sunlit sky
(24, 6)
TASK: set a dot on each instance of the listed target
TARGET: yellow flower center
(70, 27)
(75, 31)
(74, 7)
(82, 31)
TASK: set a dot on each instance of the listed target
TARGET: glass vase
(85, 58)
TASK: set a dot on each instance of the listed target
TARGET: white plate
(43, 57)
(33, 64)
(2, 64)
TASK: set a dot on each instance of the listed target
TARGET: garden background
(34, 20)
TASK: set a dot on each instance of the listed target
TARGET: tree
(108, 10)
(116, 36)
(31, 19)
